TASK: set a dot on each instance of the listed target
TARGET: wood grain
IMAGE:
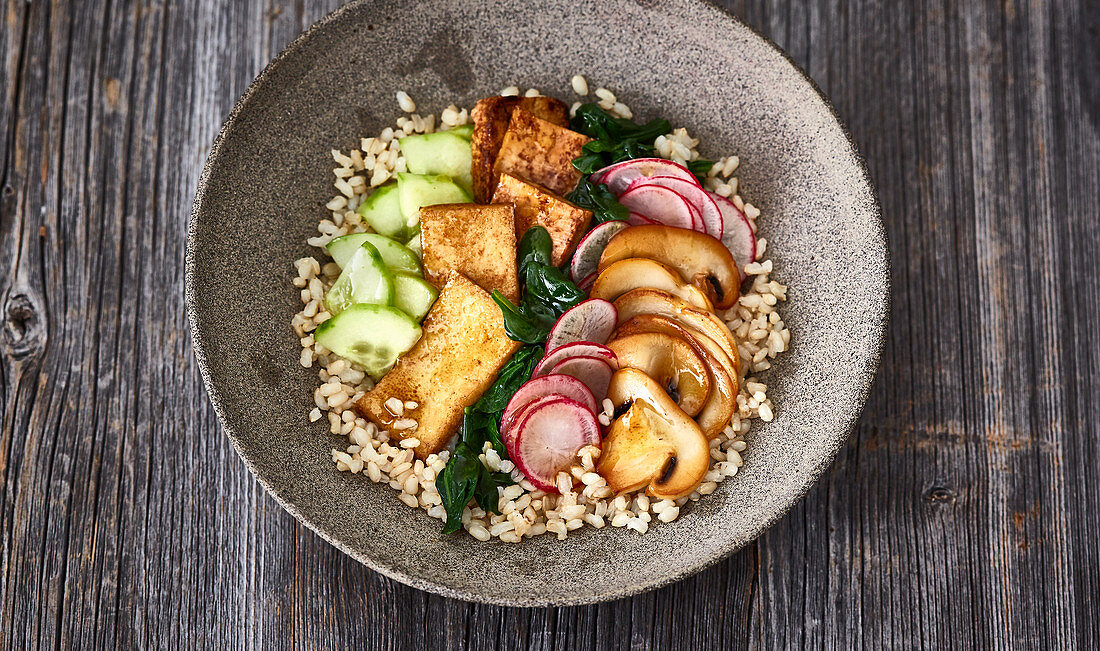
(962, 513)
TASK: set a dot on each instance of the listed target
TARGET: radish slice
(508, 429)
(576, 349)
(592, 320)
(711, 221)
(587, 256)
(620, 176)
(540, 388)
(696, 215)
(638, 219)
(548, 437)
(737, 234)
(660, 204)
(595, 372)
(587, 282)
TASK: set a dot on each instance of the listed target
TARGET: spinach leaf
(485, 493)
(598, 199)
(548, 292)
(457, 482)
(596, 123)
(550, 287)
(520, 323)
(517, 371)
(535, 247)
(699, 167)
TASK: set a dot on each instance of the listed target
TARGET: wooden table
(962, 513)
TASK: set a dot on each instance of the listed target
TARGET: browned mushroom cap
(669, 360)
(699, 258)
(722, 401)
(623, 276)
(653, 301)
(654, 444)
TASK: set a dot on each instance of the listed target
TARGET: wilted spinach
(597, 198)
(547, 291)
(613, 139)
(699, 167)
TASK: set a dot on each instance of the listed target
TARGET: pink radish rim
(600, 349)
(638, 219)
(704, 195)
(599, 176)
(603, 362)
(518, 458)
(510, 425)
(728, 229)
(574, 265)
(513, 409)
(652, 187)
(587, 304)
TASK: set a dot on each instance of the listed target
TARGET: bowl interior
(269, 176)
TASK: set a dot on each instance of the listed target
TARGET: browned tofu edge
(551, 109)
(527, 142)
(565, 236)
(491, 117)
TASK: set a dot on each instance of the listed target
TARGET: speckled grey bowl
(269, 175)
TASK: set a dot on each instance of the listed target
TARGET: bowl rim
(878, 336)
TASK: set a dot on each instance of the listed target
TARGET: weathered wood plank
(961, 514)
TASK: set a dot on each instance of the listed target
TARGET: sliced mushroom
(699, 258)
(653, 301)
(722, 400)
(669, 360)
(623, 276)
(654, 444)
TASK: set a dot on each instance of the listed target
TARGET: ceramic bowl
(269, 175)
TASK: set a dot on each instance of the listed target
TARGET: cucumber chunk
(413, 295)
(443, 152)
(373, 336)
(464, 130)
(396, 255)
(365, 279)
(415, 247)
(382, 210)
(417, 190)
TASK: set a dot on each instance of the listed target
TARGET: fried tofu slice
(463, 347)
(540, 151)
(491, 117)
(537, 206)
(547, 108)
(477, 241)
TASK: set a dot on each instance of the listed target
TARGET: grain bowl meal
(530, 317)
